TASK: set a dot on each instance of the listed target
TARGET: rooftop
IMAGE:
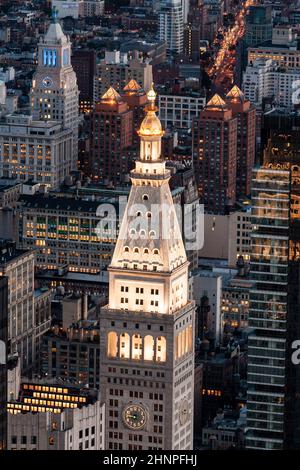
(62, 204)
(8, 251)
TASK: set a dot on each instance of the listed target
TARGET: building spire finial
(54, 14)
(151, 95)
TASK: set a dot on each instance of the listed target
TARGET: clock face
(134, 416)
(47, 82)
(184, 411)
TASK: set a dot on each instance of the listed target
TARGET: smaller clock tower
(54, 93)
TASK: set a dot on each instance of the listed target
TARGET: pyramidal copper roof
(111, 95)
(216, 102)
(132, 86)
(235, 94)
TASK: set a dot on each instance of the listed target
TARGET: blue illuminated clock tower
(54, 93)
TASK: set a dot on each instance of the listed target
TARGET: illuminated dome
(151, 125)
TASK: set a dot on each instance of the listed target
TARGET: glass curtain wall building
(273, 380)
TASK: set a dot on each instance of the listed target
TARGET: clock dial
(134, 416)
(47, 82)
(184, 411)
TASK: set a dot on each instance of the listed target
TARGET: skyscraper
(54, 92)
(214, 155)
(258, 25)
(3, 361)
(273, 417)
(245, 114)
(84, 65)
(136, 98)
(147, 328)
(112, 133)
(171, 24)
(18, 267)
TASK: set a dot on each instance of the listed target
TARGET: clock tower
(147, 328)
(54, 93)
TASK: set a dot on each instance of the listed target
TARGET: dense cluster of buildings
(149, 238)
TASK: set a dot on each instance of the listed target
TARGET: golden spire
(151, 125)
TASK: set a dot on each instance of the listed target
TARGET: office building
(47, 416)
(84, 66)
(284, 55)
(227, 237)
(3, 360)
(118, 68)
(258, 25)
(112, 133)
(246, 138)
(273, 380)
(265, 80)
(36, 150)
(179, 110)
(24, 328)
(63, 231)
(215, 155)
(136, 99)
(171, 25)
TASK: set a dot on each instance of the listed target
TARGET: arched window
(155, 252)
(126, 248)
(2, 353)
(161, 349)
(148, 348)
(112, 344)
(125, 346)
(152, 233)
(136, 250)
(146, 251)
(190, 338)
(178, 345)
(182, 341)
(186, 340)
(145, 197)
(137, 345)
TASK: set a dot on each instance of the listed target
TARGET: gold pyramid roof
(111, 95)
(132, 86)
(235, 94)
(216, 102)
